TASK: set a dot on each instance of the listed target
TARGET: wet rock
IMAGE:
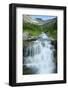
(54, 42)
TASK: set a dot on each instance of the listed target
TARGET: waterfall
(39, 55)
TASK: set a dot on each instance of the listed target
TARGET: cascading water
(39, 57)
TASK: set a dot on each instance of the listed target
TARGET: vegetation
(35, 30)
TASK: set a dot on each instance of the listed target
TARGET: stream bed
(38, 56)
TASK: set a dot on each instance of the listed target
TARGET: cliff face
(27, 18)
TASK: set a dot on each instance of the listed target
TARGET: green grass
(36, 30)
(33, 32)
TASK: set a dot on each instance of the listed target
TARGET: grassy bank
(35, 30)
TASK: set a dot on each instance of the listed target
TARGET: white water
(39, 55)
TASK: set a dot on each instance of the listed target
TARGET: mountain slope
(28, 19)
(38, 21)
(36, 26)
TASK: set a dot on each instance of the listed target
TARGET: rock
(54, 42)
(25, 35)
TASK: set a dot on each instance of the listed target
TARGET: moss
(27, 71)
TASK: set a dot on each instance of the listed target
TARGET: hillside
(36, 26)
(28, 19)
